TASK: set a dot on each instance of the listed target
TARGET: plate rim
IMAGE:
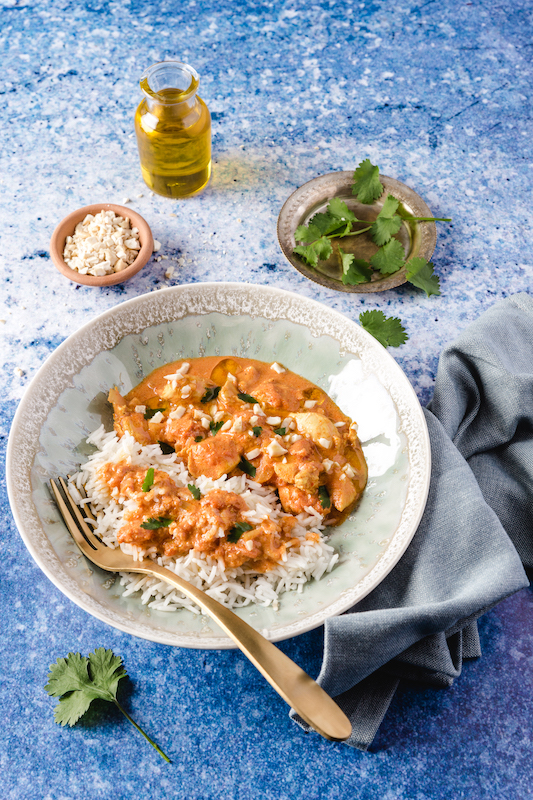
(92, 605)
(285, 232)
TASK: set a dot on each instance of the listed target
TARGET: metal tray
(417, 239)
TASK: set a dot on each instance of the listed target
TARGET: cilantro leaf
(389, 258)
(354, 270)
(154, 523)
(210, 394)
(339, 209)
(198, 438)
(77, 680)
(318, 250)
(307, 233)
(166, 449)
(247, 467)
(323, 496)
(194, 490)
(257, 430)
(246, 398)
(420, 274)
(151, 412)
(280, 431)
(387, 330)
(237, 531)
(214, 427)
(387, 223)
(148, 481)
(366, 183)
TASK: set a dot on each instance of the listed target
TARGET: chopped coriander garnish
(237, 531)
(246, 398)
(247, 467)
(166, 449)
(257, 430)
(210, 394)
(154, 523)
(148, 481)
(198, 438)
(323, 496)
(151, 412)
(214, 427)
(280, 431)
(194, 490)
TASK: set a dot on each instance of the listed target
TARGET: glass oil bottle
(173, 128)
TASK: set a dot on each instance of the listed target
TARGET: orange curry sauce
(223, 416)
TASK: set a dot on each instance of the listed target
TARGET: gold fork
(294, 685)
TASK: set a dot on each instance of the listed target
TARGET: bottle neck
(170, 87)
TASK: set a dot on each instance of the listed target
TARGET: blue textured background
(439, 95)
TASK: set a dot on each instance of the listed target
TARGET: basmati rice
(236, 587)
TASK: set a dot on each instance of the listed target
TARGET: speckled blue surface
(439, 95)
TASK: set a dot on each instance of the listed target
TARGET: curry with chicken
(226, 417)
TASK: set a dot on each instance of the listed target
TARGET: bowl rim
(68, 223)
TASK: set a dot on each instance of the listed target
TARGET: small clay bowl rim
(66, 228)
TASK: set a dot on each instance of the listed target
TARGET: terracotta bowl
(66, 228)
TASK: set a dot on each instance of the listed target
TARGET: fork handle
(294, 685)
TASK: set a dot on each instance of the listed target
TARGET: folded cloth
(477, 528)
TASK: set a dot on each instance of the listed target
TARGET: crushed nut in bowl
(101, 245)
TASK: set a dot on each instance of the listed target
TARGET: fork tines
(72, 515)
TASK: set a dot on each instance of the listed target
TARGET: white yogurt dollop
(364, 399)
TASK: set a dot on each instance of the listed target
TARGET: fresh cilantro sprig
(317, 240)
(78, 680)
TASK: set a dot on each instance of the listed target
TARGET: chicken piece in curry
(223, 417)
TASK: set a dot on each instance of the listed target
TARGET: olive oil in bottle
(173, 128)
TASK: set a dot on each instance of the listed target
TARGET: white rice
(234, 587)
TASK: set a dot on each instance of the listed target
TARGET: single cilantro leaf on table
(420, 274)
(389, 331)
(319, 250)
(389, 258)
(78, 680)
(387, 223)
(354, 270)
(366, 183)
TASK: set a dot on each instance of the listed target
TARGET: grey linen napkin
(420, 622)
